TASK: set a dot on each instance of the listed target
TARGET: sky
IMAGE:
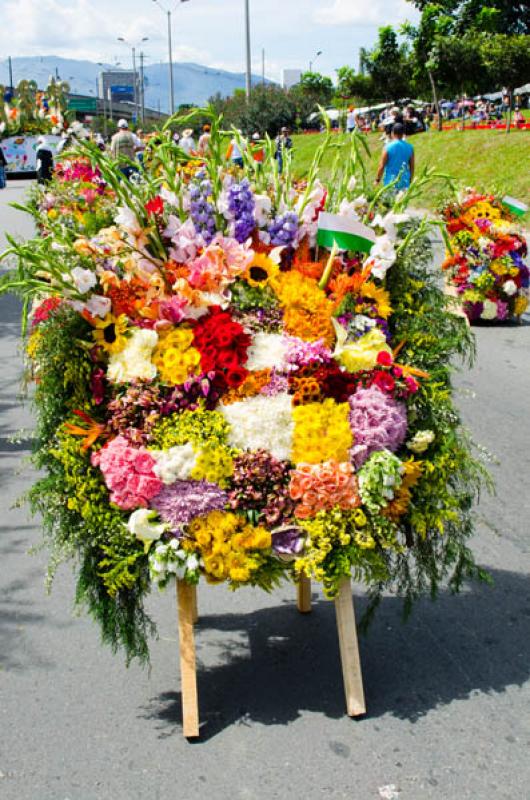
(208, 32)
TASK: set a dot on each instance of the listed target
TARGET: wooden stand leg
(195, 607)
(303, 594)
(188, 671)
(349, 650)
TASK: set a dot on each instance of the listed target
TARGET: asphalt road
(448, 693)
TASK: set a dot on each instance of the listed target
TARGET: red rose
(384, 359)
(235, 377)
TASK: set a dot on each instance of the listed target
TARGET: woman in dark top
(3, 165)
(44, 160)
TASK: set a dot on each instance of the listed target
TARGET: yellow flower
(321, 432)
(361, 354)
(520, 305)
(111, 332)
(175, 357)
(262, 270)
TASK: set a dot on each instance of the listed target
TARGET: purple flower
(241, 208)
(180, 502)
(473, 310)
(283, 230)
(502, 310)
(378, 422)
(287, 541)
(202, 211)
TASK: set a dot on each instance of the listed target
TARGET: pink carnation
(378, 422)
(128, 473)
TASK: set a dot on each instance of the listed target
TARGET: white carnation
(510, 288)
(266, 351)
(420, 441)
(134, 361)
(261, 423)
(175, 464)
(490, 310)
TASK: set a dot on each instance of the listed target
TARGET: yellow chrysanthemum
(110, 333)
(321, 432)
(175, 357)
(520, 305)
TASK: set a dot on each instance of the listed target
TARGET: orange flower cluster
(307, 311)
(304, 386)
(251, 386)
(323, 487)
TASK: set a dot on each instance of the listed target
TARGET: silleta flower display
(484, 263)
(219, 398)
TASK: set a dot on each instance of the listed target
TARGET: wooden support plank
(303, 594)
(188, 669)
(349, 650)
(195, 606)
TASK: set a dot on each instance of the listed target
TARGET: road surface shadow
(476, 641)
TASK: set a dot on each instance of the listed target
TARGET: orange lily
(90, 433)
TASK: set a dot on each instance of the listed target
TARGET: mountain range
(193, 83)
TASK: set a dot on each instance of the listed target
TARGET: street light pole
(318, 53)
(135, 74)
(170, 54)
(247, 48)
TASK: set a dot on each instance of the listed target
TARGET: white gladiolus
(84, 279)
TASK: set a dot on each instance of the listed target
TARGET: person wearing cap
(123, 148)
(397, 160)
(44, 160)
(204, 140)
(283, 143)
(257, 149)
(187, 142)
(351, 119)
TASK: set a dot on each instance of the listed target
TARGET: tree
(457, 66)
(350, 84)
(510, 17)
(388, 65)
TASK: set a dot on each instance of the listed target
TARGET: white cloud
(364, 12)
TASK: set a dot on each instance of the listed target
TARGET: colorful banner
(20, 152)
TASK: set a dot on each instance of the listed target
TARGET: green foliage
(389, 66)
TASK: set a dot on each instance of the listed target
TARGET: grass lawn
(488, 160)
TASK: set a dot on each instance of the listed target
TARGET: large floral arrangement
(216, 397)
(485, 260)
(80, 199)
(26, 110)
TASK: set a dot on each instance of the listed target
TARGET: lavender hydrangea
(180, 502)
(283, 230)
(241, 206)
(202, 211)
(378, 422)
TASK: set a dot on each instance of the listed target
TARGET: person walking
(234, 154)
(397, 161)
(123, 148)
(283, 143)
(351, 119)
(187, 142)
(3, 165)
(203, 146)
(44, 160)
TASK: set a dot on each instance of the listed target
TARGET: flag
(345, 232)
(517, 207)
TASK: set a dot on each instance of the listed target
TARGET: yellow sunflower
(380, 297)
(262, 270)
(111, 333)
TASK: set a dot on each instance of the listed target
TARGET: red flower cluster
(44, 309)
(223, 345)
(155, 206)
